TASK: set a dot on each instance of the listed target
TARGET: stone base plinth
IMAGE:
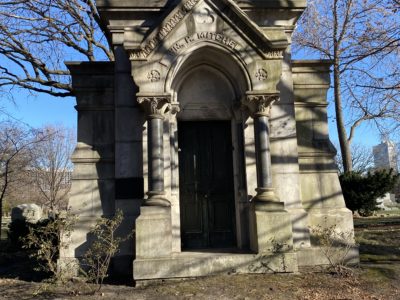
(272, 228)
(317, 256)
(153, 232)
(193, 264)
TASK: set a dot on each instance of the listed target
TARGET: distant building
(385, 155)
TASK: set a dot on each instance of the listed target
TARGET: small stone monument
(30, 212)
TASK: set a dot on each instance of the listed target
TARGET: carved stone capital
(174, 109)
(155, 106)
(259, 104)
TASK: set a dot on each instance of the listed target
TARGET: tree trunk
(1, 215)
(343, 141)
(3, 192)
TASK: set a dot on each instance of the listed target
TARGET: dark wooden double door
(206, 185)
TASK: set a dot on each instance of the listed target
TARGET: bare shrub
(335, 245)
(97, 259)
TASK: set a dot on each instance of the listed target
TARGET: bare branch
(37, 36)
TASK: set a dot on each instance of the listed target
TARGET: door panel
(206, 185)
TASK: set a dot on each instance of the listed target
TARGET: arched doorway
(210, 152)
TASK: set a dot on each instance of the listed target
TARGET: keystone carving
(260, 105)
(155, 106)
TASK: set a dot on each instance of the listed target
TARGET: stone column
(154, 226)
(155, 108)
(270, 222)
(259, 105)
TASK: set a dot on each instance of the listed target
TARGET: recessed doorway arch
(209, 147)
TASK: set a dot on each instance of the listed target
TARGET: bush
(96, 261)
(361, 191)
(45, 239)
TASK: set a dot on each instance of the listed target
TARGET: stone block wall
(92, 192)
(321, 194)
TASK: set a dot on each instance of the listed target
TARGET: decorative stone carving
(155, 106)
(260, 104)
(154, 76)
(261, 74)
(174, 108)
(204, 16)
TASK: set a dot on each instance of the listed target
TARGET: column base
(157, 199)
(153, 232)
(266, 195)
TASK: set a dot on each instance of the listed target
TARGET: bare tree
(52, 167)
(362, 159)
(16, 149)
(362, 38)
(37, 36)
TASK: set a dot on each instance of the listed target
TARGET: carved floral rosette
(259, 104)
(155, 106)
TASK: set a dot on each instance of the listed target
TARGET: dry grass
(377, 277)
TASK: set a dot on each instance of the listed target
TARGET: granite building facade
(209, 137)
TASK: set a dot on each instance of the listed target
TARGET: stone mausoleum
(209, 137)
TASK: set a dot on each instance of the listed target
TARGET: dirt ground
(377, 277)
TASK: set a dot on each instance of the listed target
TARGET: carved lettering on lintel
(204, 36)
(163, 31)
(274, 54)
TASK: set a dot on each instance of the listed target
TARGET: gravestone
(30, 213)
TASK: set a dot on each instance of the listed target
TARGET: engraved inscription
(165, 29)
(274, 54)
(200, 36)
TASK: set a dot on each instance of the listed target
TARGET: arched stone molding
(222, 58)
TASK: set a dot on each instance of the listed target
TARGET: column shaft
(155, 155)
(155, 107)
(263, 155)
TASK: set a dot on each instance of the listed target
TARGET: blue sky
(41, 109)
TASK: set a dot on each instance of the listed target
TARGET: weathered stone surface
(153, 232)
(193, 264)
(200, 60)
